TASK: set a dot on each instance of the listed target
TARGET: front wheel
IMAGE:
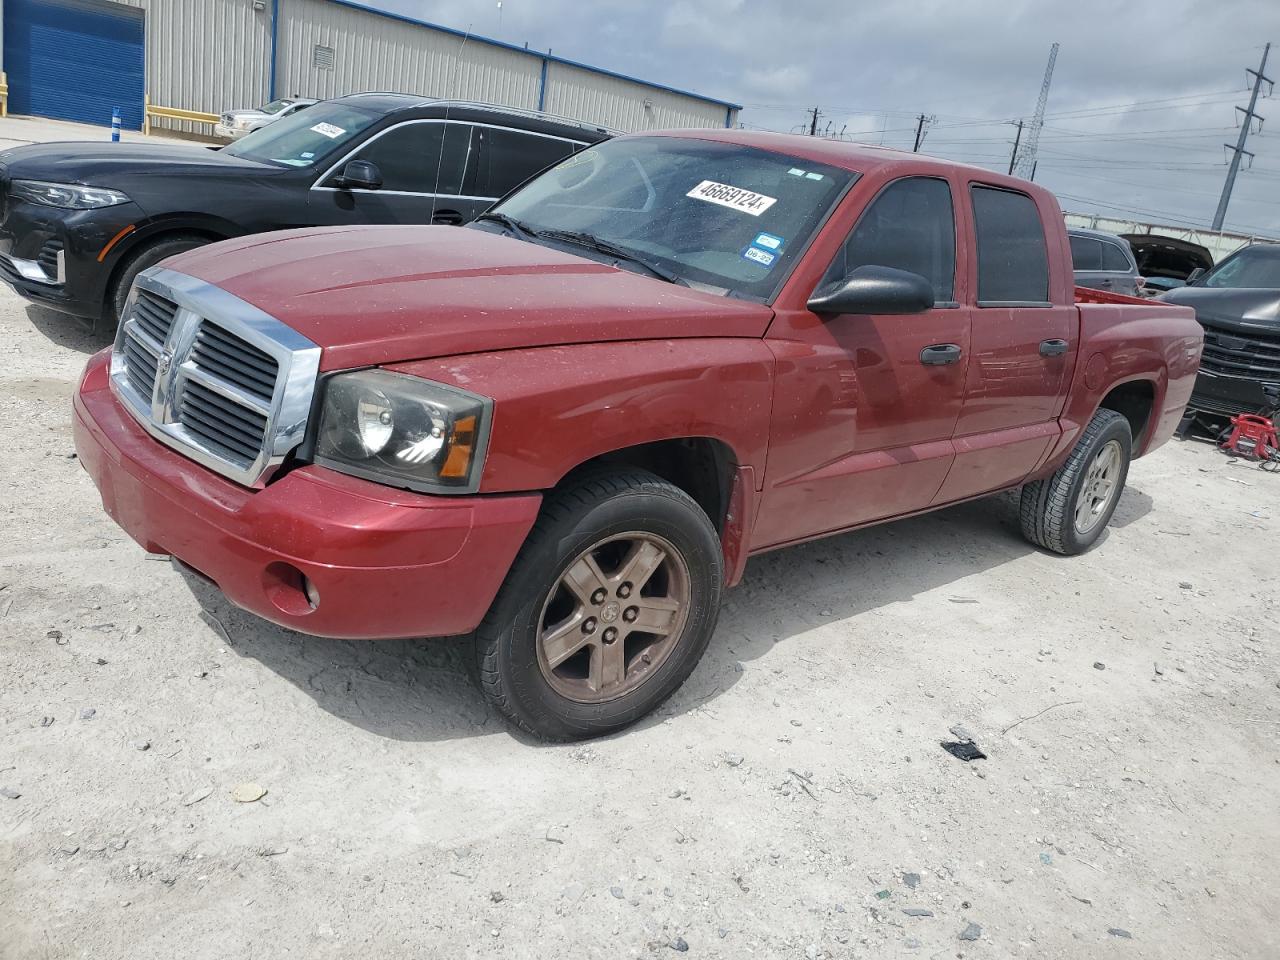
(1067, 511)
(606, 611)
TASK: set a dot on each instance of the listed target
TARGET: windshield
(1256, 268)
(275, 106)
(303, 138)
(716, 214)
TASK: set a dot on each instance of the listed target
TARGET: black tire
(1048, 508)
(572, 521)
(147, 256)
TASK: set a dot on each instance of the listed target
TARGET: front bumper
(79, 283)
(385, 563)
(229, 133)
(1227, 396)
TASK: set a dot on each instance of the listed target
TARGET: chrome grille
(212, 376)
(222, 422)
(1250, 355)
(140, 366)
(154, 315)
(227, 356)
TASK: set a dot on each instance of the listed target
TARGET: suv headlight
(403, 431)
(70, 196)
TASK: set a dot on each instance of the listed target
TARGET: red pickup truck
(564, 429)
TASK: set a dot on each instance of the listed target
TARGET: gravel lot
(792, 800)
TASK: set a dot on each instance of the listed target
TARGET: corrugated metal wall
(214, 55)
(206, 55)
(377, 53)
(623, 104)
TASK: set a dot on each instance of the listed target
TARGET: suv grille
(48, 258)
(1249, 356)
(212, 376)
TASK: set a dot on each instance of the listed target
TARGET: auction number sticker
(328, 130)
(735, 198)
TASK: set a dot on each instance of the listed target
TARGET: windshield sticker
(768, 241)
(796, 172)
(328, 130)
(813, 176)
(735, 198)
(762, 257)
(307, 156)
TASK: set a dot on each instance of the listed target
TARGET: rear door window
(507, 158)
(1113, 258)
(1086, 253)
(909, 226)
(1013, 258)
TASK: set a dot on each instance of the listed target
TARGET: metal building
(76, 59)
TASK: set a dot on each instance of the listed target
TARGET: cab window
(909, 226)
(1013, 258)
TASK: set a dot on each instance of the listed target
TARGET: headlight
(68, 195)
(403, 431)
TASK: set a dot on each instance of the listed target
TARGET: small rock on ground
(1118, 932)
(9, 793)
(971, 932)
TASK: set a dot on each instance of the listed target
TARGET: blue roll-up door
(75, 59)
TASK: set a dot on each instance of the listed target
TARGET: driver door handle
(1053, 348)
(938, 354)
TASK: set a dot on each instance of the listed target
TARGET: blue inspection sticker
(768, 241)
(762, 257)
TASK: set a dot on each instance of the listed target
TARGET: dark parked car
(1238, 304)
(80, 221)
(1104, 261)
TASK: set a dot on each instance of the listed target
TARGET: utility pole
(1238, 150)
(813, 124)
(1027, 160)
(1013, 157)
(919, 134)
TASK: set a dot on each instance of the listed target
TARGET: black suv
(78, 221)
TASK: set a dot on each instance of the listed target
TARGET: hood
(374, 295)
(1237, 308)
(99, 163)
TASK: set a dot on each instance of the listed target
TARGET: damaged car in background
(1238, 305)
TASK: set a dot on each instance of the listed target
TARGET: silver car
(236, 123)
(1104, 261)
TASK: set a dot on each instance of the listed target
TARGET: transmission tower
(1025, 161)
(1238, 150)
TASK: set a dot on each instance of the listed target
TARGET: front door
(1024, 345)
(865, 406)
(427, 169)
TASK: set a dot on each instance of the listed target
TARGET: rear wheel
(139, 260)
(1067, 511)
(606, 611)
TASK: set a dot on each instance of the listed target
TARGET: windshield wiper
(591, 241)
(512, 224)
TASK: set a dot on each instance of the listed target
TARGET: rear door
(1086, 260)
(1023, 344)
(506, 158)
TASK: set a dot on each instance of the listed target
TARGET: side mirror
(1195, 275)
(874, 289)
(360, 175)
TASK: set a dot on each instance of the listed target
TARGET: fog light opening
(312, 592)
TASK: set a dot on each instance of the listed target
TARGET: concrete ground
(15, 131)
(792, 799)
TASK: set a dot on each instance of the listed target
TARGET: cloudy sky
(1143, 95)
